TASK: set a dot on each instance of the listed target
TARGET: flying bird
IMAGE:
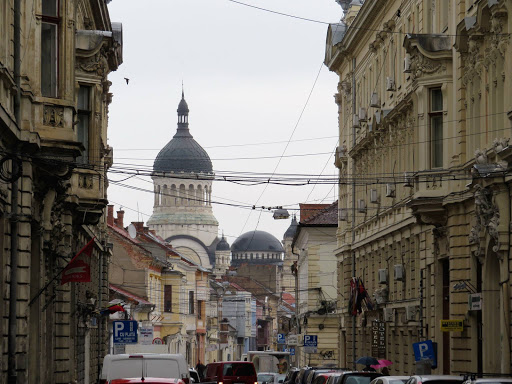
(127, 80)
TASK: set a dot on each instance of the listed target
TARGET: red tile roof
(326, 216)
(127, 294)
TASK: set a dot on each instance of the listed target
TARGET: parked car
(147, 380)
(358, 377)
(154, 365)
(194, 375)
(390, 380)
(435, 379)
(303, 374)
(291, 376)
(267, 377)
(334, 378)
(315, 373)
(231, 372)
(322, 377)
(488, 380)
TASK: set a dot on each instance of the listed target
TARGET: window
(436, 128)
(167, 298)
(191, 302)
(199, 309)
(49, 47)
(84, 115)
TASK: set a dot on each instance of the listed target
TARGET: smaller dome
(223, 245)
(290, 232)
(183, 106)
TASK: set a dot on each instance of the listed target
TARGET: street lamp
(281, 213)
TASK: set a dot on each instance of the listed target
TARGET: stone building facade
(425, 107)
(314, 243)
(55, 57)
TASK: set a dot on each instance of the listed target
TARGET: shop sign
(452, 325)
(475, 301)
(378, 338)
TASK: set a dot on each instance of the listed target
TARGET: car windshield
(265, 378)
(359, 380)
(238, 369)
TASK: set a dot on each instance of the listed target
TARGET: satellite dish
(132, 231)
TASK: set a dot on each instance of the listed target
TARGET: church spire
(183, 115)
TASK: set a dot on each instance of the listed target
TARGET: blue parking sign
(310, 340)
(424, 350)
(125, 332)
(281, 338)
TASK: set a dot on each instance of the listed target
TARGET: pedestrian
(368, 368)
(200, 367)
(385, 371)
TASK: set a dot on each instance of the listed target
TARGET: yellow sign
(452, 325)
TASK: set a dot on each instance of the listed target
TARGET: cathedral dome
(223, 245)
(257, 241)
(183, 153)
(257, 247)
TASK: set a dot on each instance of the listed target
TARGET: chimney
(120, 218)
(110, 215)
(139, 226)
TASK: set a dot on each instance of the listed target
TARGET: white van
(144, 365)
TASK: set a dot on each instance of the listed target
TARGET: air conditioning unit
(399, 272)
(383, 276)
(390, 190)
(362, 115)
(407, 63)
(388, 314)
(408, 180)
(355, 121)
(390, 84)
(370, 128)
(374, 197)
(342, 214)
(375, 101)
(361, 206)
(410, 312)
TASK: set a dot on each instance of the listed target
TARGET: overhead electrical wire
(352, 26)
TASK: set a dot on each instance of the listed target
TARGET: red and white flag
(78, 271)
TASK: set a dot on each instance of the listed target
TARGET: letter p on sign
(119, 326)
(423, 347)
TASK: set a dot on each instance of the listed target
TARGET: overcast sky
(247, 76)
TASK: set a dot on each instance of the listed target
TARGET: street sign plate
(125, 332)
(293, 340)
(292, 351)
(424, 350)
(452, 325)
(310, 350)
(310, 340)
(146, 335)
(281, 338)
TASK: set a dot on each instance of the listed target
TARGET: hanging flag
(77, 270)
(112, 309)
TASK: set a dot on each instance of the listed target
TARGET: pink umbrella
(382, 363)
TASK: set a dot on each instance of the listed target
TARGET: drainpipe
(13, 285)
(353, 207)
(505, 277)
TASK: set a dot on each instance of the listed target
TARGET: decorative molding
(53, 116)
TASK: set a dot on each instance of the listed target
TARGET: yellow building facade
(424, 101)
